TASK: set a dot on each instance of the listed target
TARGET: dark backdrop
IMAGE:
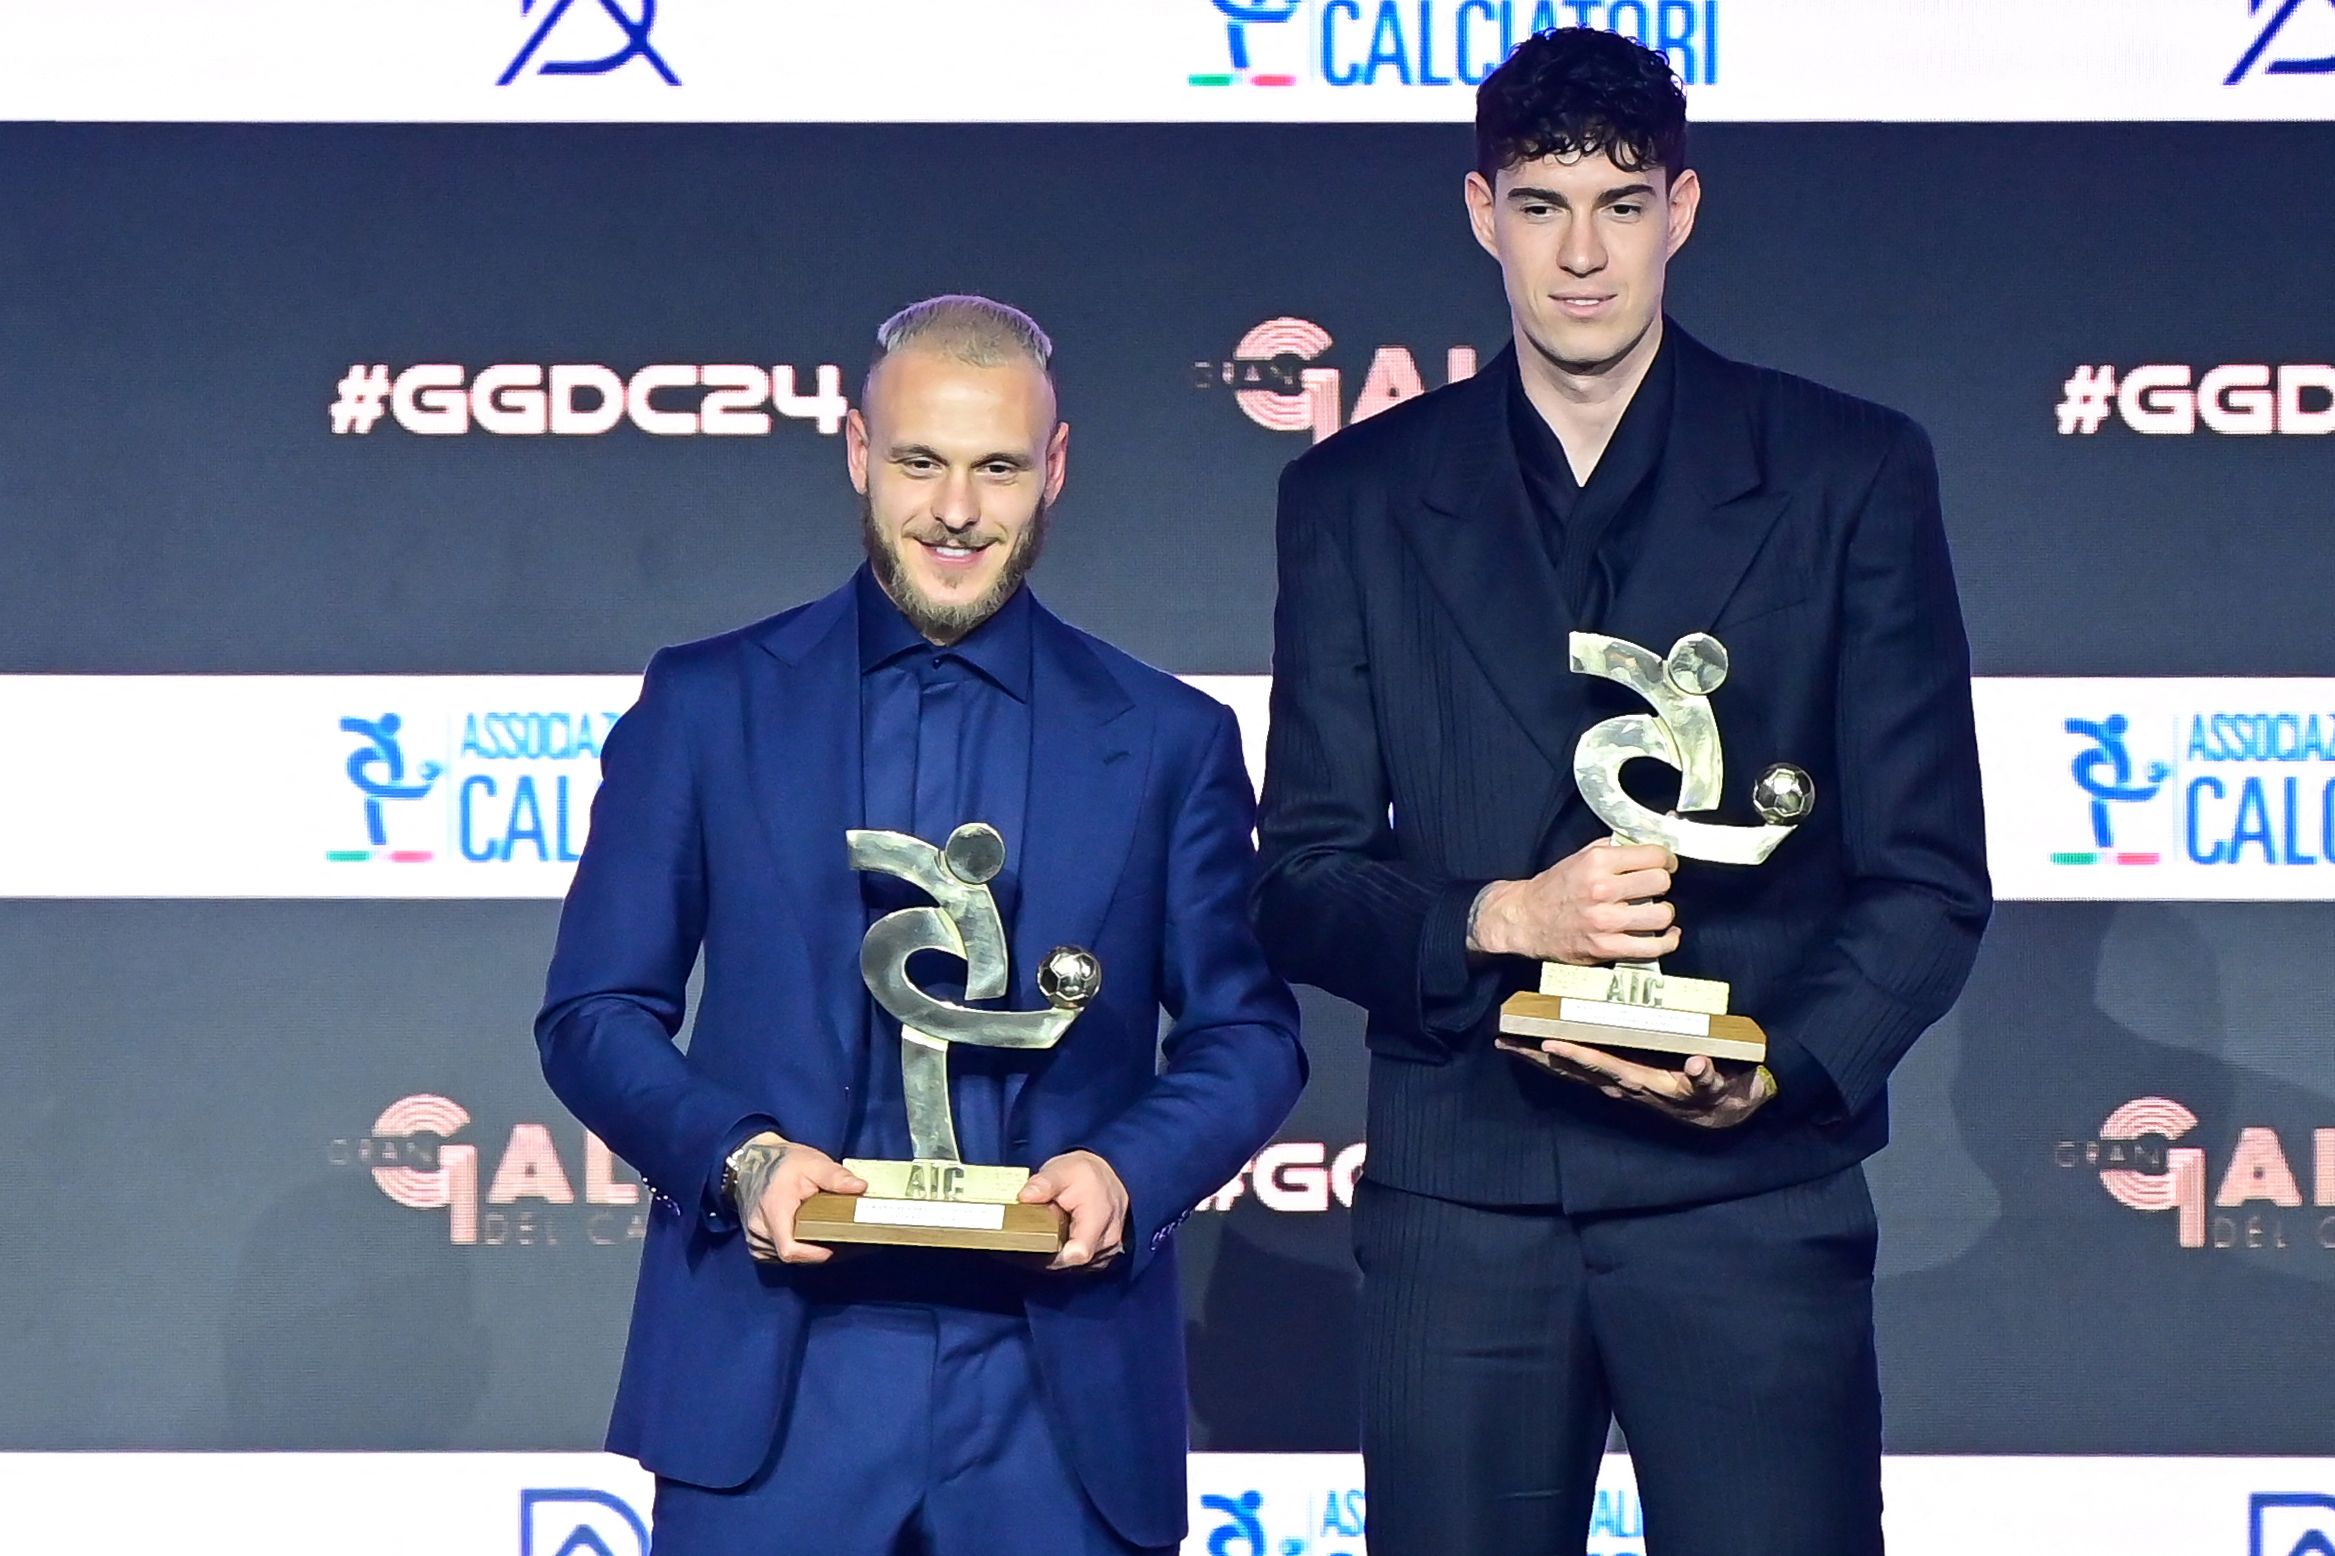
(197, 1255)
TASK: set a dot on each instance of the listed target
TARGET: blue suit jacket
(720, 825)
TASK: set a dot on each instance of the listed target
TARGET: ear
(1686, 198)
(855, 448)
(1057, 460)
(1481, 205)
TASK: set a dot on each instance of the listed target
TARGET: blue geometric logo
(589, 1532)
(636, 43)
(1238, 14)
(2291, 1523)
(1242, 1533)
(2105, 772)
(377, 768)
(2279, 17)
(1239, 17)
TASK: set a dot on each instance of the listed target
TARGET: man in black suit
(1552, 1237)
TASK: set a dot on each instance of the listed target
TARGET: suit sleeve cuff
(1456, 991)
(1148, 1226)
(1804, 1089)
(719, 1213)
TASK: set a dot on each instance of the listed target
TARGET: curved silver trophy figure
(1636, 1004)
(938, 1199)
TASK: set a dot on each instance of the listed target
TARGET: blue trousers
(914, 1429)
(1734, 1342)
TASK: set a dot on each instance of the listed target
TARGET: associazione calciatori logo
(470, 786)
(515, 1189)
(1388, 44)
(2150, 1157)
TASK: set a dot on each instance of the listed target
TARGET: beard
(938, 620)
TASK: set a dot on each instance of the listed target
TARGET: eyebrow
(1604, 197)
(1001, 457)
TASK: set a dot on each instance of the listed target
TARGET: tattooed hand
(773, 1178)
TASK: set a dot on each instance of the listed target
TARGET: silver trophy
(937, 1198)
(1636, 1004)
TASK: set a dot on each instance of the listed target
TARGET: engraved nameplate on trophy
(936, 1199)
(1636, 1004)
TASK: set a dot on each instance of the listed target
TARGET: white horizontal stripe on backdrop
(546, 1504)
(1145, 61)
(481, 786)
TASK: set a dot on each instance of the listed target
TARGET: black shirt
(1589, 531)
(1588, 528)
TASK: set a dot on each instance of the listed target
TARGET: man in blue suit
(789, 1398)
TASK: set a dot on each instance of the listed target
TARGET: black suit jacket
(1423, 723)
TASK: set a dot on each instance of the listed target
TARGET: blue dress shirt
(944, 740)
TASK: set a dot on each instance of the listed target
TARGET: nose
(1583, 251)
(956, 504)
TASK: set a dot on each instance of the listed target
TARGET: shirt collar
(1638, 437)
(999, 649)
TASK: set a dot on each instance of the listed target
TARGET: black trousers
(1733, 1341)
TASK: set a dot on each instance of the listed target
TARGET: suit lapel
(803, 750)
(1479, 545)
(1709, 512)
(1707, 518)
(1477, 542)
(1090, 749)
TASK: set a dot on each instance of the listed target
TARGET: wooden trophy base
(934, 1205)
(1633, 1006)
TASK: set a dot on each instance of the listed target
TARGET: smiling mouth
(956, 553)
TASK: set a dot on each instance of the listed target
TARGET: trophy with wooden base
(938, 1200)
(1636, 1004)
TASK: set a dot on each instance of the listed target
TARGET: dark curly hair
(1581, 90)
